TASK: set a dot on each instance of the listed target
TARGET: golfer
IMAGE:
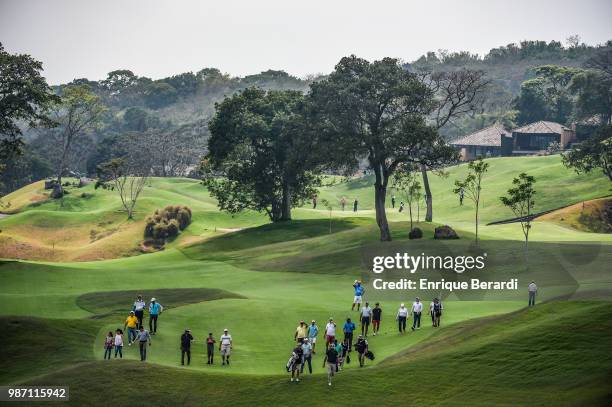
(138, 308)
(359, 290)
(186, 339)
(225, 347)
(300, 332)
(143, 337)
(376, 316)
(417, 309)
(366, 316)
(330, 331)
(313, 331)
(306, 355)
(155, 309)
(131, 325)
(348, 329)
(402, 315)
(330, 361)
(533, 290)
(210, 348)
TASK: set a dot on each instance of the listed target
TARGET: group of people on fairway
(136, 333)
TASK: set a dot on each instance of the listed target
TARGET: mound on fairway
(106, 302)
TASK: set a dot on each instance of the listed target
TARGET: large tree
(261, 155)
(25, 99)
(596, 152)
(376, 111)
(455, 94)
(78, 114)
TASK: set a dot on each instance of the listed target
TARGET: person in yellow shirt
(131, 324)
(301, 332)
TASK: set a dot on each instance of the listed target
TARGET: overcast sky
(154, 38)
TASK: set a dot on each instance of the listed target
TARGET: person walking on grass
(143, 337)
(186, 339)
(348, 329)
(402, 315)
(330, 361)
(306, 355)
(393, 201)
(342, 355)
(417, 309)
(225, 347)
(300, 332)
(314, 206)
(533, 290)
(109, 341)
(138, 308)
(119, 343)
(435, 309)
(155, 310)
(330, 331)
(401, 207)
(355, 205)
(210, 348)
(461, 195)
(313, 331)
(359, 290)
(338, 347)
(131, 324)
(366, 316)
(361, 346)
(376, 316)
(296, 366)
(343, 203)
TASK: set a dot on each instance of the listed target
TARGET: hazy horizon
(87, 39)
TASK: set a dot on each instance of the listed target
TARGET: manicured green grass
(550, 355)
(259, 280)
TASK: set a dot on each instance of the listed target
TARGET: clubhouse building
(531, 139)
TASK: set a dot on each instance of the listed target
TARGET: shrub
(415, 233)
(167, 223)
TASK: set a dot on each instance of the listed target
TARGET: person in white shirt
(366, 317)
(417, 308)
(330, 331)
(138, 308)
(402, 315)
(225, 346)
(533, 290)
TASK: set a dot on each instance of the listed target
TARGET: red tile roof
(489, 136)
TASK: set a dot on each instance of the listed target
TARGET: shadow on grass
(106, 302)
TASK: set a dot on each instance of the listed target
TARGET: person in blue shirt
(313, 331)
(359, 290)
(155, 309)
(348, 329)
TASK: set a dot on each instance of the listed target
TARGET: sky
(156, 38)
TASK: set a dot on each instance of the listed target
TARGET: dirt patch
(589, 216)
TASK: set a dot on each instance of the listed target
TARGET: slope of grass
(551, 355)
(90, 224)
(590, 216)
(33, 346)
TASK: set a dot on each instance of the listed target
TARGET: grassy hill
(551, 355)
(259, 280)
(90, 225)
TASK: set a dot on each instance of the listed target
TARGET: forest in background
(172, 113)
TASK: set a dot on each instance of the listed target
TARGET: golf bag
(369, 355)
(291, 362)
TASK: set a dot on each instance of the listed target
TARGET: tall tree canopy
(24, 99)
(260, 154)
(377, 111)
